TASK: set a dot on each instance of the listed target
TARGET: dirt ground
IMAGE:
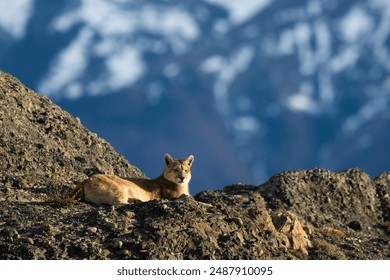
(302, 214)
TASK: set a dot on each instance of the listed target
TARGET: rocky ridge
(302, 214)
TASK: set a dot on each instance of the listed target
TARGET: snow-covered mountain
(250, 87)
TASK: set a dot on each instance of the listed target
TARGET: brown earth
(303, 214)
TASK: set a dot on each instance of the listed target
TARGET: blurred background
(249, 87)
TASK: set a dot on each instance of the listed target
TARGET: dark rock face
(320, 196)
(314, 214)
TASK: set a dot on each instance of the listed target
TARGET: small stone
(123, 252)
(273, 242)
(92, 229)
(238, 221)
(308, 230)
(112, 224)
(129, 214)
(12, 232)
(261, 252)
(208, 205)
(47, 227)
(30, 240)
(105, 253)
(118, 244)
(239, 238)
(283, 249)
(51, 229)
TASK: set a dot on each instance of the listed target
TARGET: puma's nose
(181, 178)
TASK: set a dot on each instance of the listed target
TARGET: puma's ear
(190, 160)
(168, 159)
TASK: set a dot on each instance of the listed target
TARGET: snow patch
(124, 68)
(68, 68)
(347, 58)
(109, 19)
(246, 124)
(227, 69)
(114, 28)
(355, 25)
(15, 15)
(243, 10)
(303, 101)
(286, 44)
(369, 110)
(171, 22)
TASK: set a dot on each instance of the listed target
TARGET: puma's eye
(186, 171)
(176, 170)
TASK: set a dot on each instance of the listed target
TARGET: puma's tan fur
(111, 189)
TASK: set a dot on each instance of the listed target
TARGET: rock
(318, 195)
(118, 244)
(105, 253)
(92, 229)
(29, 240)
(238, 221)
(288, 224)
(51, 229)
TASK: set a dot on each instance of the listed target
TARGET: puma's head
(178, 171)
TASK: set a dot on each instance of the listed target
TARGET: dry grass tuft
(63, 196)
